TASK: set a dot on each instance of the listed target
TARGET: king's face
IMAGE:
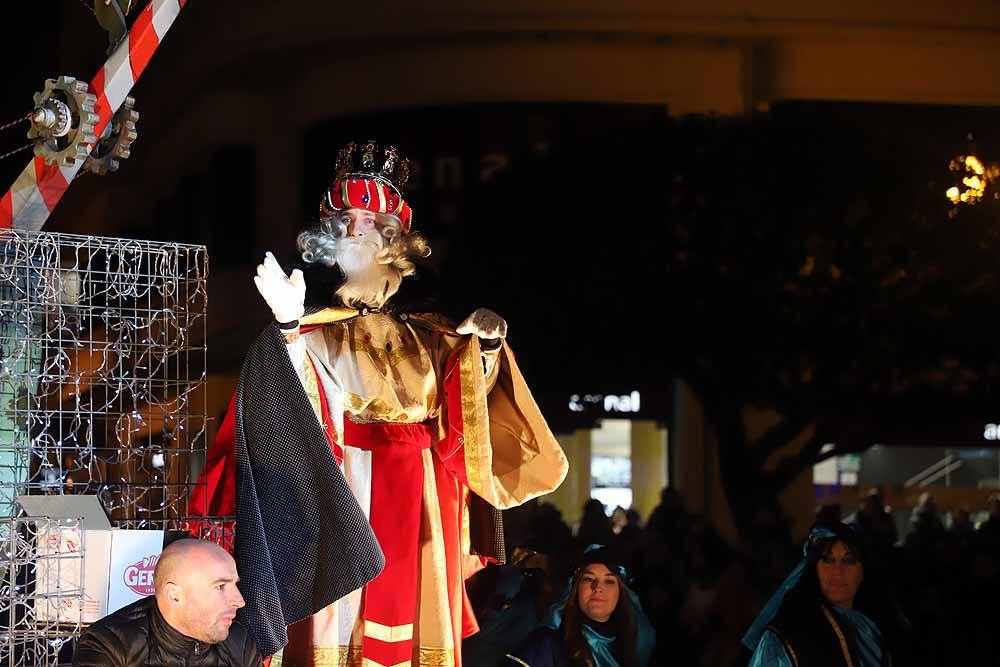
(360, 222)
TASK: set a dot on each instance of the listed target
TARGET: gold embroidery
(435, 322)
(391, 357)
(407, 391)
(328, 316)
(350, 656)
(471, 419)
(840, 635)
(327, 656)
(373, 408)
(435, 657)
(337, 656)
(388, 633)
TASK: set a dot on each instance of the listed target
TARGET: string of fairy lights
(102, 371)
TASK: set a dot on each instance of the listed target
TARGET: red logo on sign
(139, 576)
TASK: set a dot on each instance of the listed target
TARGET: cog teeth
(81, 107)
(115, 141)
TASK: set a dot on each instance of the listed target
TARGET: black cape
(302, 540)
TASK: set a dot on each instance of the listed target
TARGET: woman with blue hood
(826, 614)
(599, 623)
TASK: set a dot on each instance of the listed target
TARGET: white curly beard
(367, 281)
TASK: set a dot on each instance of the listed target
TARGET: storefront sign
(608, 403)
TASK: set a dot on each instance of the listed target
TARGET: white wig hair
(398, 251)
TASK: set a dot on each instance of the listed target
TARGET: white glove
(285, 295)
(484, 323)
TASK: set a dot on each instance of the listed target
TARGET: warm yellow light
(976, 179)
(972, 163)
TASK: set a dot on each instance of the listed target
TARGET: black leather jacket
(138, 635)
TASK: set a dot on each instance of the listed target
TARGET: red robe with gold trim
(418, 418)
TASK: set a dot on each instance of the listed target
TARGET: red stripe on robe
(451, 448)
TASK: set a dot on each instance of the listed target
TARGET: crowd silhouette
(701, 593)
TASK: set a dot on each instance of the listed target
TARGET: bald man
(191, 620)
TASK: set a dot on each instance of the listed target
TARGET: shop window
(611, 464)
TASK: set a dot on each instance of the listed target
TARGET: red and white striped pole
(40, 186)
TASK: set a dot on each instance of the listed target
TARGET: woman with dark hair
(598, 624)
(826, 613)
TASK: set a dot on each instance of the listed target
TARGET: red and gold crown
(370, 178)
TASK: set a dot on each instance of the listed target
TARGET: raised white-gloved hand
(285, 295)
(484, 323)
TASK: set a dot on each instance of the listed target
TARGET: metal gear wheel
(56, 140)
(116, 141)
